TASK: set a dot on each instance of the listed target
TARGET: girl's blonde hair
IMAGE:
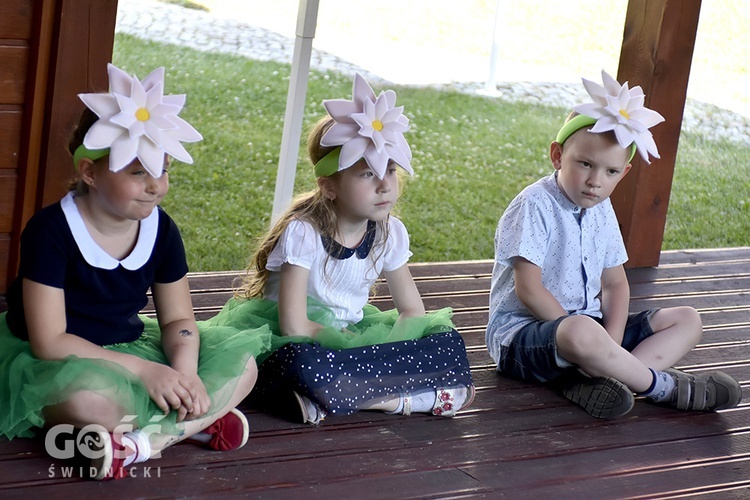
(312, 207)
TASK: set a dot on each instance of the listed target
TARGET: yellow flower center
(142, 114)
(377, 125)
(625, 114)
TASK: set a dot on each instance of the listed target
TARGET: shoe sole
(245, 426)
(601, 397)
(103, 464)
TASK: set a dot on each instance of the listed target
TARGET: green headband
(329, 164)
(92, 154)
(577, 123)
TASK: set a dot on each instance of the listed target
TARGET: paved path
(202, 31)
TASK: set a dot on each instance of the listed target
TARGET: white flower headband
(136, 120)
(365, 127)
(619, 109)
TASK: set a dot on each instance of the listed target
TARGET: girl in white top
(312, 275)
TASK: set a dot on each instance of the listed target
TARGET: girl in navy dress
(313, 273)
(74, 353)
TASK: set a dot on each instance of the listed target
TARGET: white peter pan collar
(93, 253)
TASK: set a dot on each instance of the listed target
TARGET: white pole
(307, 18)
(490, 86)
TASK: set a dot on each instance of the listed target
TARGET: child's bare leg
(85, 408)
(585, 343)
(161, 441)
(676, 331)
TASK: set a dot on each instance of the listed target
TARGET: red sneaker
(230, 432)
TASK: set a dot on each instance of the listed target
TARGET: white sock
(202, 437)
(138, 441)
(423, 401)
(662, 388)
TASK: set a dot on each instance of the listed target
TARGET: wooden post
(84, 47)
(657, 51)
(70, 46)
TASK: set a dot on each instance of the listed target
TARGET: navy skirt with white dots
(341, 381)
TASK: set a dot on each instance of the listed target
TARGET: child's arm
(532, 293)
(293, 318)
(615, 301)
(404, 292)
(46, 323)
(181, 341)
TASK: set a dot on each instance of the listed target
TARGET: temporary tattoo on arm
(186, 333)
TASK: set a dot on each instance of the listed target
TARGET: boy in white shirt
(560, 297)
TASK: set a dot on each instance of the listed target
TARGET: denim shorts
(532, 354)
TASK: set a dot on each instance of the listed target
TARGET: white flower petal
(137, 129)
(590, 109)
(102, 134)
(378, 141)
(604, 124)
(390, 98)
(122, 152)
(153, 78)
(625, 136)
(381, 107)
(403, 160)
(151, 157)
(611, 86)
(339, 134)
(174, 148)
(648, 117)
(341, 109)
(596, 91)
(403, 146)
(352, 151)
(362, 119)
(138, 95)
(119, 81)
(184, 131)
(175, 100)
(125, 120)
(104, 105)
(377, 160)
(361, 91)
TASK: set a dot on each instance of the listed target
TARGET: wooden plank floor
(517, 440)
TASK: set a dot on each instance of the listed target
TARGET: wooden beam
(83, 49)
(657, 51)
(71, 44)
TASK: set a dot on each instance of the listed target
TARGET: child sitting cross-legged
(312, 276)
(559, 301)
(74, 350)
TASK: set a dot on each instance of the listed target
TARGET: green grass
(472, 155)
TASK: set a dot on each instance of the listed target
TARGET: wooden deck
(517, 440)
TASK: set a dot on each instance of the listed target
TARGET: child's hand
(199, 396)
(166, 387)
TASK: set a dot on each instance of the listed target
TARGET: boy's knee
(687, 319)
(580, 335)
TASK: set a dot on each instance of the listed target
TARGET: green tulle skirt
(376, 327)
(28, 384)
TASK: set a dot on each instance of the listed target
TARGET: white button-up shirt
(571, 245)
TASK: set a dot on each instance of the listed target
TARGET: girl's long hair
(312, 207)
